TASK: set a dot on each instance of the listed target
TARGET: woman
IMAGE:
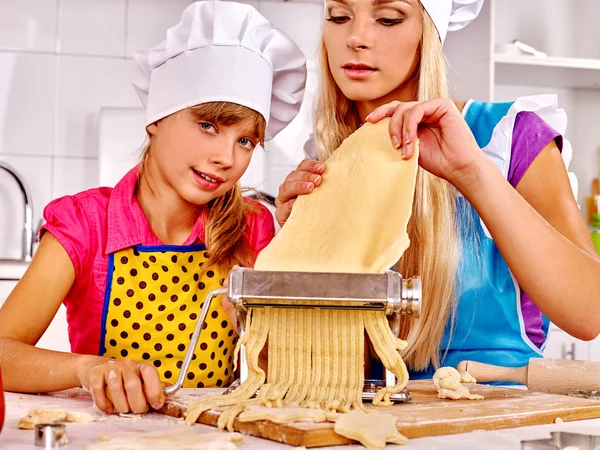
(496, 235)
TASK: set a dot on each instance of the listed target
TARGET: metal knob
(412, 291)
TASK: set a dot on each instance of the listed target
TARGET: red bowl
(1, 403)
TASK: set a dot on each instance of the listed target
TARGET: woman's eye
(207, 126)
(390, 22)
(338, 19)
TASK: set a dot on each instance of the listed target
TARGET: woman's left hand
(447, 147)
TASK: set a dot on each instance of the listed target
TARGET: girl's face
(200, 160)
(372, 48)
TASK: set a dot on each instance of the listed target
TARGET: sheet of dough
(324, 233)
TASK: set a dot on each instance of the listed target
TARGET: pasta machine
(248, 288)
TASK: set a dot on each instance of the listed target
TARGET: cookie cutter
(561, 440)
(50, 435)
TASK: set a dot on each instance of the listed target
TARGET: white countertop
(81, 435)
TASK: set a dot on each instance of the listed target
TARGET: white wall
(63, 61)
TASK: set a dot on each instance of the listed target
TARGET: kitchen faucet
(27, 243)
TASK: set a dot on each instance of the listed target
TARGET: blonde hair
(435, 244)
(225, 217)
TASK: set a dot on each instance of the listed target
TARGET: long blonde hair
(435, 244)
(225, 217)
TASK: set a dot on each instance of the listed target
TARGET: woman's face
(372, 48)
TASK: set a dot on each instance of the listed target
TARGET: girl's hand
(121, 385)
(301, 181)
(447, 147)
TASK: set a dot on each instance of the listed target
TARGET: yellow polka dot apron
(153, 300)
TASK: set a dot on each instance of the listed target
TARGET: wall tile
(148, 21)
(37, 174)
(73, 175)
(92, 27)
(85, 86)
(26, 103)
(122, 136)
(28, 25)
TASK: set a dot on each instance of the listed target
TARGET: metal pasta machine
(248, 288)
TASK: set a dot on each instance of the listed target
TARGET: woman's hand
(447, 147)
(301, 181)
(122, 386)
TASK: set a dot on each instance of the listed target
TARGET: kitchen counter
(81, 435)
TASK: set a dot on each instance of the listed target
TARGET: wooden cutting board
(424, 415)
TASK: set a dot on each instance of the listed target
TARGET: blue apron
(488, 324)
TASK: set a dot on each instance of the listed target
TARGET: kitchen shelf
(571, 73)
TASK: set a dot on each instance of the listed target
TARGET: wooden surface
(426, 415)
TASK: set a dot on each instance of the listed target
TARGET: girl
(133, 264)
(496, 235)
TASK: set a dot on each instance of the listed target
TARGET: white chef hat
(222, 51)
(452, 15)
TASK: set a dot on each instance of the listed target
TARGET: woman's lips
(358, 72)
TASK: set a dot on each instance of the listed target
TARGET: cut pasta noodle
(355, 222)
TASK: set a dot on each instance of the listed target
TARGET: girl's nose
(222, 154)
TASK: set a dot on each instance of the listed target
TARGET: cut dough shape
(371, 430)
(447, 381)
(36, 416)
(355, 222)
(171, 439)
(283, 415)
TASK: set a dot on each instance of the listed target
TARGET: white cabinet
(56, 336)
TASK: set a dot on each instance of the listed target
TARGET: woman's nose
(359, 38)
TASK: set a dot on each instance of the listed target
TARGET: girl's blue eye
(206, 126)
(247, 143)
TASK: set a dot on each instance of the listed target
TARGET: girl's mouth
(210, 182)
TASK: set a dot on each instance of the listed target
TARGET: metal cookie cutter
(50, 435)
(387, 292)
(561, 440)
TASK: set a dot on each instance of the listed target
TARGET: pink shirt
(95, 223)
